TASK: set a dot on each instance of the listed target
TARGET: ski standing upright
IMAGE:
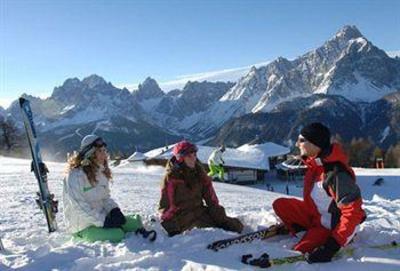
(45, 199)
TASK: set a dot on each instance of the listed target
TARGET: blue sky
(42, 43)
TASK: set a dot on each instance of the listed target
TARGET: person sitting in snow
(216, 163)
(330, 211)
(89, 211)
(188, 198)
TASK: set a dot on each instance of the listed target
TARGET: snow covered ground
(30, 247)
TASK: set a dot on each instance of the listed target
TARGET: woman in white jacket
(89, 211)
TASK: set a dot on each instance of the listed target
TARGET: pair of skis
(45, 199)
(265, 261)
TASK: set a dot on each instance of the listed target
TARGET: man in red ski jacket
(330, 211)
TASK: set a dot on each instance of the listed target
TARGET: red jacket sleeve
(348, 199)
(352, 216)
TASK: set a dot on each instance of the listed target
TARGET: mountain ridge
(346, 73)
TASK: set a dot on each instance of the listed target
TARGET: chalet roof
(246, 156)
(137, 156)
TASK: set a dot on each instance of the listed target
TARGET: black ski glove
(323, 253)
(114, 219)
(151, 235)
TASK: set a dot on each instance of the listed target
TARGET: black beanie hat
(318, 134)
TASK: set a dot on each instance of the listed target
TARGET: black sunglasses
(98, 143)
(188, 151)
(301, 140)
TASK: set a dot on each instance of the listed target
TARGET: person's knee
(217, 212)
(279, 204)
(313, 238)
(233, 224)
(133, 222)
(135, 218)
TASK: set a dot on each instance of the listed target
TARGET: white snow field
(28, 245)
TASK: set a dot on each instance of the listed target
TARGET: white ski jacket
(86, 205)
(216, 158)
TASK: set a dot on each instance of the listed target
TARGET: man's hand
(323, 253)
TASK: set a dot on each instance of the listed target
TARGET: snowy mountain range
(92, 105)
(379, 121)
(347, 65)
(346, 83)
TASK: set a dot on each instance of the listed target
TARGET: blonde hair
(89, 167)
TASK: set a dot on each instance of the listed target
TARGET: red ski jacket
(332, 195)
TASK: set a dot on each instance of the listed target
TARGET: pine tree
(361, 152)
(392, 157)
(9, 134)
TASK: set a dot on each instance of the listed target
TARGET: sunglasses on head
(99, 143)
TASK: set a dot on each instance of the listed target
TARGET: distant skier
(188, 198)
(89, 211)
(331, 210)
(216, 163)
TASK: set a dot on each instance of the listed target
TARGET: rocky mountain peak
(332, 49)
(253, 69)
(148, 89)
(280, 65)
(348, 32)
(150, 83)
(72, 83)
(93, 81)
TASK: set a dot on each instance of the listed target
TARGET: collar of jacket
(180, 170)
(336, 155)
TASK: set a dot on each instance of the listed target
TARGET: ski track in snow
(137, 189)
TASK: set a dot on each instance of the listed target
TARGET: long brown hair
(75, 161)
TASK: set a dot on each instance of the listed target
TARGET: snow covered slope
(30, 247)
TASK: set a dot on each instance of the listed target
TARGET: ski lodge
(243, 165)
